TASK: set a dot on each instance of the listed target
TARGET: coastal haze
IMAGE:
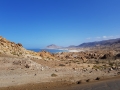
(59, 45)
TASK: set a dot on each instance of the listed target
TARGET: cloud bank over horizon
(100, 38)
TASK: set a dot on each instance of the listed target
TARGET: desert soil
(26, 74)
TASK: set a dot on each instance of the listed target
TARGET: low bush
(53, 75)
(61, 65)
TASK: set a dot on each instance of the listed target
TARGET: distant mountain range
(110, 42)
(100, 43)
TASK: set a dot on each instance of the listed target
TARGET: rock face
(11, 48)
(53, 46)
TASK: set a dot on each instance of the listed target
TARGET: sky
(38, 23)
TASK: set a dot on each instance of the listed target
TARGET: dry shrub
(61, 65)
(27, 66)
(53, 75)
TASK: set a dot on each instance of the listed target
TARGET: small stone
(87, 80)
(78, 82)
(97, 78)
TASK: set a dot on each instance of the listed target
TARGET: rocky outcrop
(86, 56)
(46, 55)
(11, 48)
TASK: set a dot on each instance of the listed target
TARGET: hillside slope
(10, 48)
(101, 43)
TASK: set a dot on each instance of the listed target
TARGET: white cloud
(104, 37)
(111, 37)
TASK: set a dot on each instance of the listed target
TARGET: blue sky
(38, 23)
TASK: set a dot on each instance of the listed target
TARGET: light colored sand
(24, 76)
(13, 72)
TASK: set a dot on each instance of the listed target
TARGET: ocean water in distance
(48, 50)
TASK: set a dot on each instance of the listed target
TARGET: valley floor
(28, 74)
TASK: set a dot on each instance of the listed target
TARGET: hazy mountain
(53, 46)
(101, 43)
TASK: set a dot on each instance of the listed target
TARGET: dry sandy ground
(24, 74)
(107, 84)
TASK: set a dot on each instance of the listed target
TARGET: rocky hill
(53, 46)
(10, 48)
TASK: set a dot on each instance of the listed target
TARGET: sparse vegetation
(14, 53)
(97, 78)
(66, 63)
(74, 61)
(27, 66)
(87, 80)
(88, 65)
(78, 82)
(61, 65)
(97, 67)
(54, 75)
(20, 53)
(111, 64)
(97, 62)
